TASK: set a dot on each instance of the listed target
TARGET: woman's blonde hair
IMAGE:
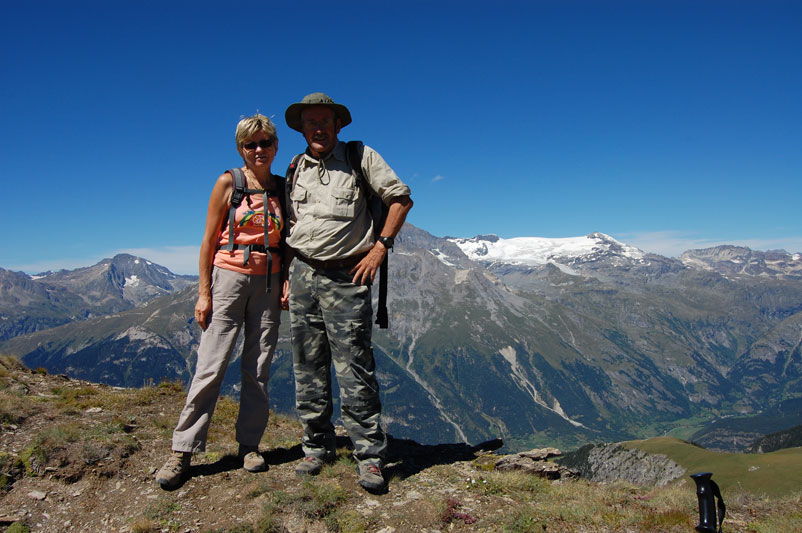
(250, 125)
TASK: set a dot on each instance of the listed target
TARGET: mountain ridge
(608, 346)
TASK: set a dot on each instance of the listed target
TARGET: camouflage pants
(331, 323)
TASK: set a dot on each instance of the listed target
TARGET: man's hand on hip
(365, 271)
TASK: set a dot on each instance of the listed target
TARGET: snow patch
(133, 281)
(443, 258)
(535, 251)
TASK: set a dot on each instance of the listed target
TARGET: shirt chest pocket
(298, 197)
(340, 203)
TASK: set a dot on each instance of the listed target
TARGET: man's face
(320, 129)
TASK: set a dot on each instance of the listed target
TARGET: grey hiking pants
(331, 324)
(237, 300)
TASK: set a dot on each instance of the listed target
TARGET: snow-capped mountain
(536, 251)
(738, 260)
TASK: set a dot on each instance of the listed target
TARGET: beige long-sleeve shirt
(328, 215)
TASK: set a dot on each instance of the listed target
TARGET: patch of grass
(514, 483)
(18, 527)
(522, 520)
(14, 409)
(221, 428)
(34, 460)
(262, 487)
(282, 432)
(9, 363)
(76, 399)
(446, 473)
(160, 512)
(343, 466)
(348, 521)
(11, 469)
(145, 525)
(268, 521)
(661, 521)
(772, 474)
(318, 499)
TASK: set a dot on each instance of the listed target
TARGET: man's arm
(365, 270)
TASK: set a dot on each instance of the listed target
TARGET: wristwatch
(388, 242)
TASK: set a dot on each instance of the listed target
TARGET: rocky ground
(76, 456)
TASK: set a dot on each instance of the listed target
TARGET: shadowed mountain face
(597, 342)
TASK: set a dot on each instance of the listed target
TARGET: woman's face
(259, 151)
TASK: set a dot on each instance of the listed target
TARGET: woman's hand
(202, 311)
(285, 295)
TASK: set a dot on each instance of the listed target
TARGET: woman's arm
(215, 214)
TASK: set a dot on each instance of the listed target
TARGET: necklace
(253, 182)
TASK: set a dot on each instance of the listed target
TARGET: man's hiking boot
(311, 465)
(252, 460)
(174, 470)
(370, 477)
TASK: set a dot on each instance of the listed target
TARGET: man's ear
(339, 126)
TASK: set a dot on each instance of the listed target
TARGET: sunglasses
(263, 144)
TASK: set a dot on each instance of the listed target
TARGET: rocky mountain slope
(585, 341)
(32, 303)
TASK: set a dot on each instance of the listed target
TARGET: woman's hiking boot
(174, 470)
(252, 460)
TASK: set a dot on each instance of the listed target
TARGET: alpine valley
(557, 342)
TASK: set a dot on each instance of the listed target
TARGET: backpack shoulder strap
(292, 171)
(282, 202)
(354, 152)
(236, 199)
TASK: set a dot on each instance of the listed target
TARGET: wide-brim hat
(293, 113)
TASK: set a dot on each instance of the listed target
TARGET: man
(331, 233)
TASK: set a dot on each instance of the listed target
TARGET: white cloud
(673, 243)
(438, 178)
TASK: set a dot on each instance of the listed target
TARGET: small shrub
(145, 525)
(347, 521)
(451, 513)
(34, 459)
(18, 527)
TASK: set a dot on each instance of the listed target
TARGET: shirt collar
(338, 152)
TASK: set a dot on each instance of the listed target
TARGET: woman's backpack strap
(236, 199)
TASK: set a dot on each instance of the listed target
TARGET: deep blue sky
(668, 125)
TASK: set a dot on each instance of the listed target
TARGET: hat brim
(293, 114)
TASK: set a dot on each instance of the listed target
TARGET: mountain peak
(740, 260)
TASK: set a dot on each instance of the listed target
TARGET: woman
(240, 284)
